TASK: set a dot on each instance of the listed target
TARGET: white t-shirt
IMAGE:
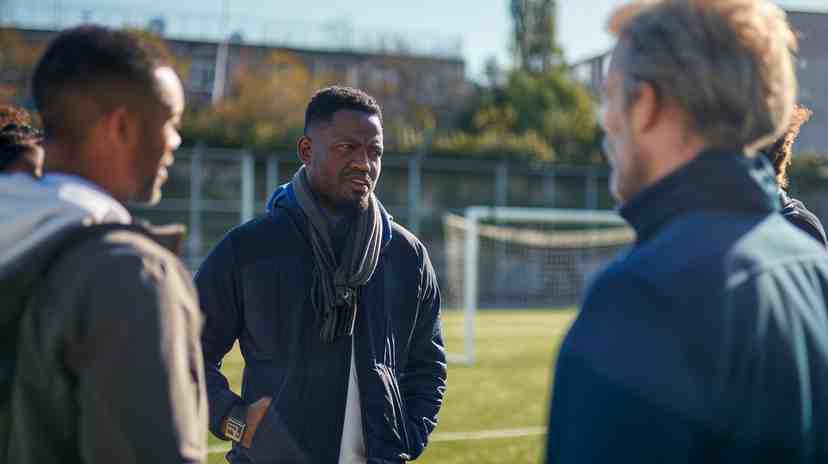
(352, 448)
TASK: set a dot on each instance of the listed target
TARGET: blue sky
(482, 25)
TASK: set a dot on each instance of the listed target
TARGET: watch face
(234, 429)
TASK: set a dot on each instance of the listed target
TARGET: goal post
(531, 232)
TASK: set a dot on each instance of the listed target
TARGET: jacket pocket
(274, 442)
(394, 416)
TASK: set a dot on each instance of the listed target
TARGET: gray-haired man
(708, 340)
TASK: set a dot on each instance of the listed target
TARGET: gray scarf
(335, 285)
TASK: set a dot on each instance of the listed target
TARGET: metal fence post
(549, 187)
(415, 181)
(272, 174)
(501, 199)
(195, 234)
(502, 184)
(248, 187)
(415, 186)
(591, 189)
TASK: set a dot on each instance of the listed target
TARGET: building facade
(812, 67)
(402, 83)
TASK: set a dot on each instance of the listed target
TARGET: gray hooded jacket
(100, 340)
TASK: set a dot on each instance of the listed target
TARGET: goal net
(509, 258)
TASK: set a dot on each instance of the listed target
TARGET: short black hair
(80, 61)
(326, 102)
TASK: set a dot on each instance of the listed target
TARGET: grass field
(495, 410)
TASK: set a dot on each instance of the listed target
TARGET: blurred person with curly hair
(780, 154)
(20, 143)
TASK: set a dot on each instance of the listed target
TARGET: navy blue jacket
(708, 340)
(255, 287)
(797, 214)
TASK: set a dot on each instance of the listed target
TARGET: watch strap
(235, 423)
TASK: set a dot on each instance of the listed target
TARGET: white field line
(488, 434)
(448, 436)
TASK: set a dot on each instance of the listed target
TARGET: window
(201, 75)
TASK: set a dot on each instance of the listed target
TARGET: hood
(32, 211)
(34, 214)
(282, 193)
(283, 196)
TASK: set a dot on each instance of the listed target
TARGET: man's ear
(303, 149)
(122, 127)
(645, 111)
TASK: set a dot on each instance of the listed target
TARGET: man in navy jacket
(707, 341)
(335, 306)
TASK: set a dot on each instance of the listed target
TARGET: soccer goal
(503, 257)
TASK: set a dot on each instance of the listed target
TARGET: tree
(544, 46)
(493, 72)
(549, 105)
(181, 65)
(519, 10)
(17, 60)
(534, 34)
(264, 107)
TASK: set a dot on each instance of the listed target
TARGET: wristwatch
(234, 424)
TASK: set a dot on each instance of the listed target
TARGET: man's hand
(255, 413)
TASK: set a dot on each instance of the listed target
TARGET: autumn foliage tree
(534, 35)
(265, 105)
(181, 64)
(17, 60)
(537, 107)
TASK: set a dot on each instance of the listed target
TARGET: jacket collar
(721, 181)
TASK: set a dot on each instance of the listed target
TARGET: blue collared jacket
(707, 341)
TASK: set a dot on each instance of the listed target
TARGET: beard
(339, 194)
(353, 199)
(610, 153)
(627, 176)
(354, 203)
(362, 202)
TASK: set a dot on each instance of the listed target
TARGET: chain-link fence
(214, 190)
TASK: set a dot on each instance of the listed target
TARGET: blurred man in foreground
(708, 340)
(104, 321)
